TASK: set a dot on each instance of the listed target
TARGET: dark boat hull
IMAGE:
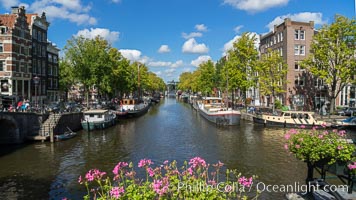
(138, 113)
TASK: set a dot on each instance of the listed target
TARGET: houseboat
(98, 119)
(214, 110)
(134, 107)
(290, 119)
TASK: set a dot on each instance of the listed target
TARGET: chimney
(14, 10)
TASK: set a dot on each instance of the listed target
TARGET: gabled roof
(8, 20)
(29, 18)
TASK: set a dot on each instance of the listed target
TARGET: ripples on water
(169, 131)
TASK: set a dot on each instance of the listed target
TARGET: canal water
(171, 130)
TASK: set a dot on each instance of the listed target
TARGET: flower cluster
(312, 145)
(193, 180)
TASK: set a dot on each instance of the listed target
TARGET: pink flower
(190, 170)
(320, 136)
(297, 146)
(293, 131)
(286, 146)
(150, 172)
(94, 174)
(245, 182)
(197, 162)
(118, 167)
(302, 126)
(339, 147)
(117, 192)
(80, 179)
(342, 133)
(287, 136)
(165, 162)
(160, 187)
(145, 163)
(212, 182)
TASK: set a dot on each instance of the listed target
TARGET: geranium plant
(312, 145)
(196, 179)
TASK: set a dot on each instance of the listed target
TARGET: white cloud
(199, 60)
(238, 28)
(187, 69)
(110, 36)
(116, 1)
(164, 49)
(229, 44)
(255, 5)
(71, 10)
(165, 64)
(159, 73)
(131, 54)
(9, 3)
(191, 35)
(301, 17)
(191, 46)
(201, 27)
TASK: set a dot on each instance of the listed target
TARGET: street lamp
(36, 80)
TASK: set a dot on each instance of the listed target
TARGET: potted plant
(319, 147)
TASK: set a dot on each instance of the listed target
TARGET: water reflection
(169, 131)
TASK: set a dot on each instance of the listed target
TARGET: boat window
(91, 115)
(300, 116)
(286, 114)
(294, 115)
(306, 116)
(99, 116)
(131, 102)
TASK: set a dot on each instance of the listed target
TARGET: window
(1, 47)
(297, 66)
(34, 33)
(299, 50)
(299, 34)
(3, 29)
(281, 36)
(299, 81)
(281, 51)
(34, 50)
(1, 65)
(55, 60)
(296, 34)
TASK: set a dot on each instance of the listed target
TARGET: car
(350, 112)
(341, 111)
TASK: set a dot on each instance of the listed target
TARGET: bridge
(17, 127)
(172, 87)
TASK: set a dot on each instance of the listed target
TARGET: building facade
(15, 56)
(292, 40)
(28, 62)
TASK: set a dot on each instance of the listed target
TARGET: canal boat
(134, 107)
(66, 135)
(295, 119)
(98, 119)
(214, 110)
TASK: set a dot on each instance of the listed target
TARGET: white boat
(346, 123)
(295, 119)
(98, 119)
(214, 110)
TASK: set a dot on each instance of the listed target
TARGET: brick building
(28, 62)
(292, 41)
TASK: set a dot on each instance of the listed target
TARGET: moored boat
(135, 107)
(98, 119)
(214, 110)
(65, 136)
(295, 119)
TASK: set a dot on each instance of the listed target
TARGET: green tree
(206, 78)
(272, 72)
(333, 56)
(89, 58)
(240, 66)
(66, 76)
(185, 81)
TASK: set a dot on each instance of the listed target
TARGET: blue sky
(173, 36)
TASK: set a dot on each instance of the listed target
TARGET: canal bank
(171, 130)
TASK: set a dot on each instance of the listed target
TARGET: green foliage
(278, 104)
(272, 72)
(317, 145)
(206, 78)
(333, 59)
(241, 63)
